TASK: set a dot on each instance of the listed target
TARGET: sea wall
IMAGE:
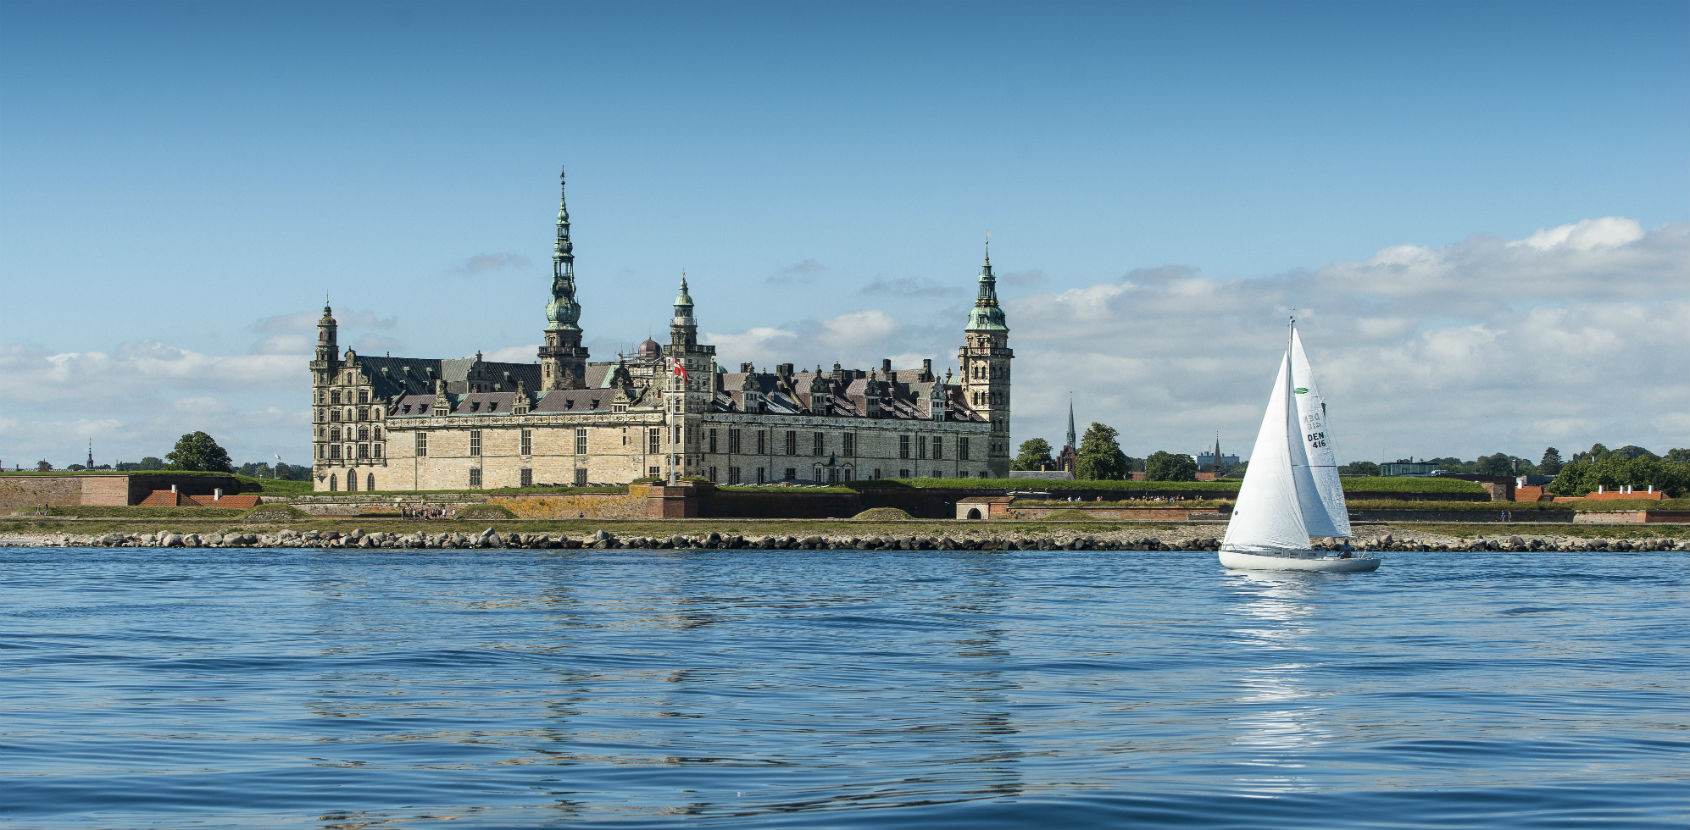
(972, 536)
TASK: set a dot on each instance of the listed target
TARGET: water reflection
(1283, 726)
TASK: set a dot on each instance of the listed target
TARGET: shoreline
(1384, 539)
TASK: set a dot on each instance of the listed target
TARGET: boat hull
(1298, 561)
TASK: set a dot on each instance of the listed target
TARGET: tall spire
(563, 313)
(986, 315)
(1073, 439)
(563, 360)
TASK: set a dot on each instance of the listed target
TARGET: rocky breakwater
(973, 537)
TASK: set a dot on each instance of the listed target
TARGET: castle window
(378, 433)
(712, 445)
(363, 450)
(475, 477)
(733, 449)
(351, 481)
(760, 477)
(377, 448)
(421, 408)
(334, 452)
(527, 441)
(921, 446)
(370, 481)
(334, 434)
(475, 443)
(363, 433)
(581, 441)
(876, 473)
(654, 442)
(351, 414)
(761, 449)
(321, 451)
(334, 483)
(791, 444)
(962, 448)
(581, 476)
(712, 475)
(527, 477)
(938, 447)
(791, 474)
(849, 441)
(334, 397)
(819, 444)
(334, 416)
(903, 446)
(363, 396)
(903, 474)
(422, 445)
(492, 405)
(733, 475)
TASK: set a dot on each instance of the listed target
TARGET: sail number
(1317, 439)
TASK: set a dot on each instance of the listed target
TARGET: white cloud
(1607, 232)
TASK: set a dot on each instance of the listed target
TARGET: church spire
(1073, 438)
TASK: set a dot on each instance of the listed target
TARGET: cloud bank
(1571, 335)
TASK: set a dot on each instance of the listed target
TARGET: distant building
(666, 411)
(1206, 458)
(1407, 468)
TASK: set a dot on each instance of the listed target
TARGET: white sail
(1267, 516)
(1322, 495)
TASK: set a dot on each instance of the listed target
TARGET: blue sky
(181, 183)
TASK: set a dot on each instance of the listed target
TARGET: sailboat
(1291, 489)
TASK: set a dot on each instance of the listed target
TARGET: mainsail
(1268, 515)
(1319, 491)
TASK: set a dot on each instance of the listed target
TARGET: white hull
(1309, 560)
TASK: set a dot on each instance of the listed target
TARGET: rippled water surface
(289, 688)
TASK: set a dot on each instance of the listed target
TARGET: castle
(665, 412)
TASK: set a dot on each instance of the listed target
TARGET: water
(289, 688)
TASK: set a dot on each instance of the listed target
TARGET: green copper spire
(986, 315)
(683, 303)
(563, 313)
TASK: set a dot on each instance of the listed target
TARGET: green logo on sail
(1301, 390)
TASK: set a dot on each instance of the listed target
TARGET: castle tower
(563, 360)
(984, 361)
(688, 387)
(323, 371)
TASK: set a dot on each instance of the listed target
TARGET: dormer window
(492, 406)
(421, 408)
(475, 406)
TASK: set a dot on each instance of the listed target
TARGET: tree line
(1099, 457)
(199, 452)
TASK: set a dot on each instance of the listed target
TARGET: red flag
(681, 370)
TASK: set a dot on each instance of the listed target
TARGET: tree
(1360, 468)
(1500, 464)
(1035, 455)
(1170, 466)
(1099, 455)
(197, 451)
(151, 462)
(1551, 463)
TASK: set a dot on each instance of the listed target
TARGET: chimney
(886, 366)
(927, 368)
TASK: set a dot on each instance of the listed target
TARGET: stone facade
(668, 411)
